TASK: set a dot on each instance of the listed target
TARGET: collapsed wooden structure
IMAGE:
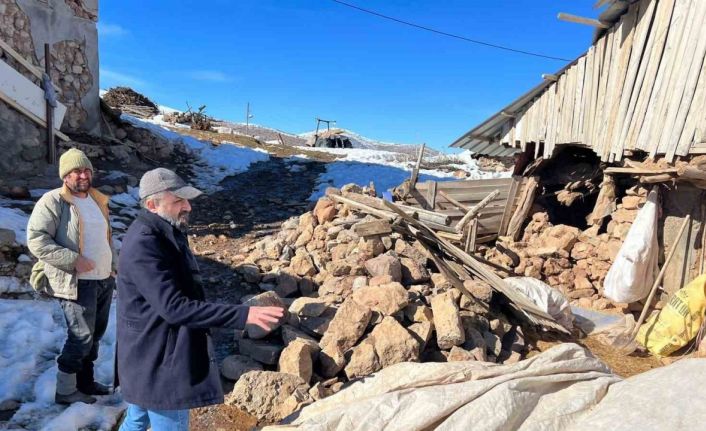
(456, 264)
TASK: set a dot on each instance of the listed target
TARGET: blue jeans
(139, 419)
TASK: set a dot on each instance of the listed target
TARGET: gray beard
(179, 224)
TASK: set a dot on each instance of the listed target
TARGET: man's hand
(84, 264)
(264, 317)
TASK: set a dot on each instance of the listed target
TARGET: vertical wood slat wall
(641, 86)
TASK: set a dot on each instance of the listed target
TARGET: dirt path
(253, 204)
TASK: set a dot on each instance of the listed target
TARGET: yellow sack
(678, 323)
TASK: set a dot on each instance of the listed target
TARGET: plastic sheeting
(633, 271)
(545, 297)
(564, 388)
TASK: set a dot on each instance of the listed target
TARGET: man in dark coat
(166, 363)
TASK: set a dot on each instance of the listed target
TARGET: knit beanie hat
(73, 159)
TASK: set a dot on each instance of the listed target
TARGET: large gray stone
(267, 299)
(234, 366)
(261, 351)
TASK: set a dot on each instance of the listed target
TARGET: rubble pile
(361, 297)
(130, 101)
(575, 262)
(197, 120)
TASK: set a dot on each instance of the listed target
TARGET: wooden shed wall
(641, 86)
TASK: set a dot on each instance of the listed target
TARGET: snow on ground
(13, 285)
(223, 160)
(32, 333)
(16, 220)
(385, 169)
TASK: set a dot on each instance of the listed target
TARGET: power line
(443, 33)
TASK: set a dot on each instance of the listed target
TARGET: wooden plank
(375, 227)
(526, 201)
(509, 204)
(473, 212)
(693, 132)
(467, 184)
(623, 86)
(587, 98)
(638, 171)
(415, 171)
(23, 92)
(606, 45)
(648, 72)
(34, 70)
(431, 194)
(577, 112)
(662, 82)
(453, 201)
(581, 20)
(631, 86)
(671, 142)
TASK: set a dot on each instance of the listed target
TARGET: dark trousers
(87, 320)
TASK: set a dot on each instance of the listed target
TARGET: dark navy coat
(165, 357)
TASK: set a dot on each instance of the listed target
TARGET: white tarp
(564, 388)
(630, 277)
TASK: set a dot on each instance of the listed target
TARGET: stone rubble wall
(575, 262)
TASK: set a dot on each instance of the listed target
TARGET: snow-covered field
(386, 169)
(223, 160)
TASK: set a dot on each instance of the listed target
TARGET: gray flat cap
(163, 180)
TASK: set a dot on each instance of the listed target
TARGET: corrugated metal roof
(482, 139)
(486, 131)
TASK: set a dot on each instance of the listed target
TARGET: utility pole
(247, 118)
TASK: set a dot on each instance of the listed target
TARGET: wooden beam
(16, 55)
(453, 201)
(375, 227)
(581, 20)
(639, 171)
(550, 77)
(476, 209)
(431, 194)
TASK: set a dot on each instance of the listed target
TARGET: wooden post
(415, 171)
(431, 194)
(648, 302)
(51, 148)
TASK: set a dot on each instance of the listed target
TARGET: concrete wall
(69, 26)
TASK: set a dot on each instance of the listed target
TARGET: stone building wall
(69, 26)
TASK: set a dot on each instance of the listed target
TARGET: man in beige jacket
(69, 233)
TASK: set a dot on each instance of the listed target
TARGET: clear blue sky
(296, 60)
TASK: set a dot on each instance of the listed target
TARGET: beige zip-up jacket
(54, 236)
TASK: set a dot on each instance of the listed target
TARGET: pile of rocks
(360, 298)
(575, 262)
